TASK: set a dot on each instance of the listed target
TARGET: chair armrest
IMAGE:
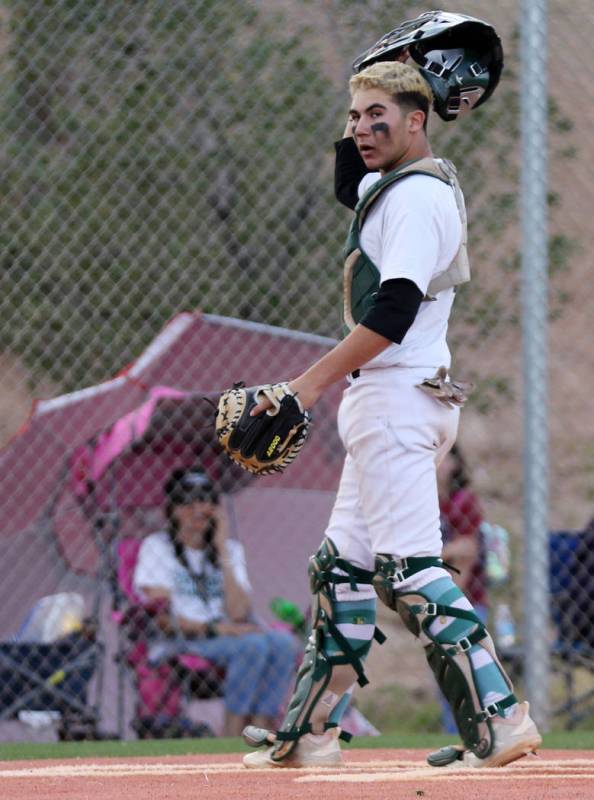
(137, 620)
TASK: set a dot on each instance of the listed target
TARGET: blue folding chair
(48, 665)
(572, 603)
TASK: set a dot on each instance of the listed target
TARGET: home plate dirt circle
(566, 775)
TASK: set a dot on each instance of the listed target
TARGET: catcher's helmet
(460, 57)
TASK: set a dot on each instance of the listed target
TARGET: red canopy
(96, 458)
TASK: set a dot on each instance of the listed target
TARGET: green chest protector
(362, 277)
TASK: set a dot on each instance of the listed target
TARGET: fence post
(534, 182)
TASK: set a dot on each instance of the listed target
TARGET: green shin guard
(315, 673)
(450, 661)
(312, 680)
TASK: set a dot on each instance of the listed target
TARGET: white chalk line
(529, 769)
(352, 771)
(117, 770)
(450, 775)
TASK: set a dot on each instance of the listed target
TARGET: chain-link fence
(164, 159)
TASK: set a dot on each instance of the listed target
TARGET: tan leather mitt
(268, 442)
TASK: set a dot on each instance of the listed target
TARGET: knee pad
(451, 664)
(326, 569)
(390, 571)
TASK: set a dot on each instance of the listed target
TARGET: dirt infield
(367, 775)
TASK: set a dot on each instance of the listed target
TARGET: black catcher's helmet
(460, 57)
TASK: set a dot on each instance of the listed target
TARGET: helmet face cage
(460, 57)
(458, 78)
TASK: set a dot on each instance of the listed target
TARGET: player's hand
(263, 405)
(307, 396)
(164, 622)
(349, 128)
(236, 628)
(221, 533)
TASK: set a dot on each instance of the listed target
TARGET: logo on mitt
(268, 442)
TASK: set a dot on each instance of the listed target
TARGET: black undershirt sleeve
(349, 168)
(396, 305)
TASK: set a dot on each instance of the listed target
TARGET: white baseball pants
(394, 435)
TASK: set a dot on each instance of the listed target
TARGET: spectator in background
(200, 571)
(461, 519)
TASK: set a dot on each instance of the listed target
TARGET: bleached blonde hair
(393, 77)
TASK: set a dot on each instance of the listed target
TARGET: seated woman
(201, 571)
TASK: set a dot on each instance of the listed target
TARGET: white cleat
(515, 737)
(312, 750)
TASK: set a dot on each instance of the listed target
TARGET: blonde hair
(393, 77)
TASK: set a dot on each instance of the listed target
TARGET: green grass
(558, 740)
(116, 749)
(422, 715)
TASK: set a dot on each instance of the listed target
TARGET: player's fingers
(263, 405)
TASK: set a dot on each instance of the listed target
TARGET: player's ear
(416, 120)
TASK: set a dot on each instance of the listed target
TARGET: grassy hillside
(149, 166)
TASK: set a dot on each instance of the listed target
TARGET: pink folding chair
(161, 689)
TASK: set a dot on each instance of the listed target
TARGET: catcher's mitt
(268, 442)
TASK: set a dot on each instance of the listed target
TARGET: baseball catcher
(405, 257)
(265, 442)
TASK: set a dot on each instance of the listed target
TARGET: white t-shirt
(413, 231)
(200, 600)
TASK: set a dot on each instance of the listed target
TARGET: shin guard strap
(344, 735)
(379, 636)
(292, 736)
(354, 574)
(498, 708)
(463, 645)
(439, 610)
(351, 656)
(400, 569)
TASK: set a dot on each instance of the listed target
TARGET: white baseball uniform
(393, 432)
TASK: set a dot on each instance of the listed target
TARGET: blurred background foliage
(164, 156)
(140, 148)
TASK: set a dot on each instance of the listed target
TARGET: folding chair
(159, 690)
(572, 599)
(51, 675)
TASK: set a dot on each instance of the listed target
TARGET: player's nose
(360, 127)
(363, 131)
